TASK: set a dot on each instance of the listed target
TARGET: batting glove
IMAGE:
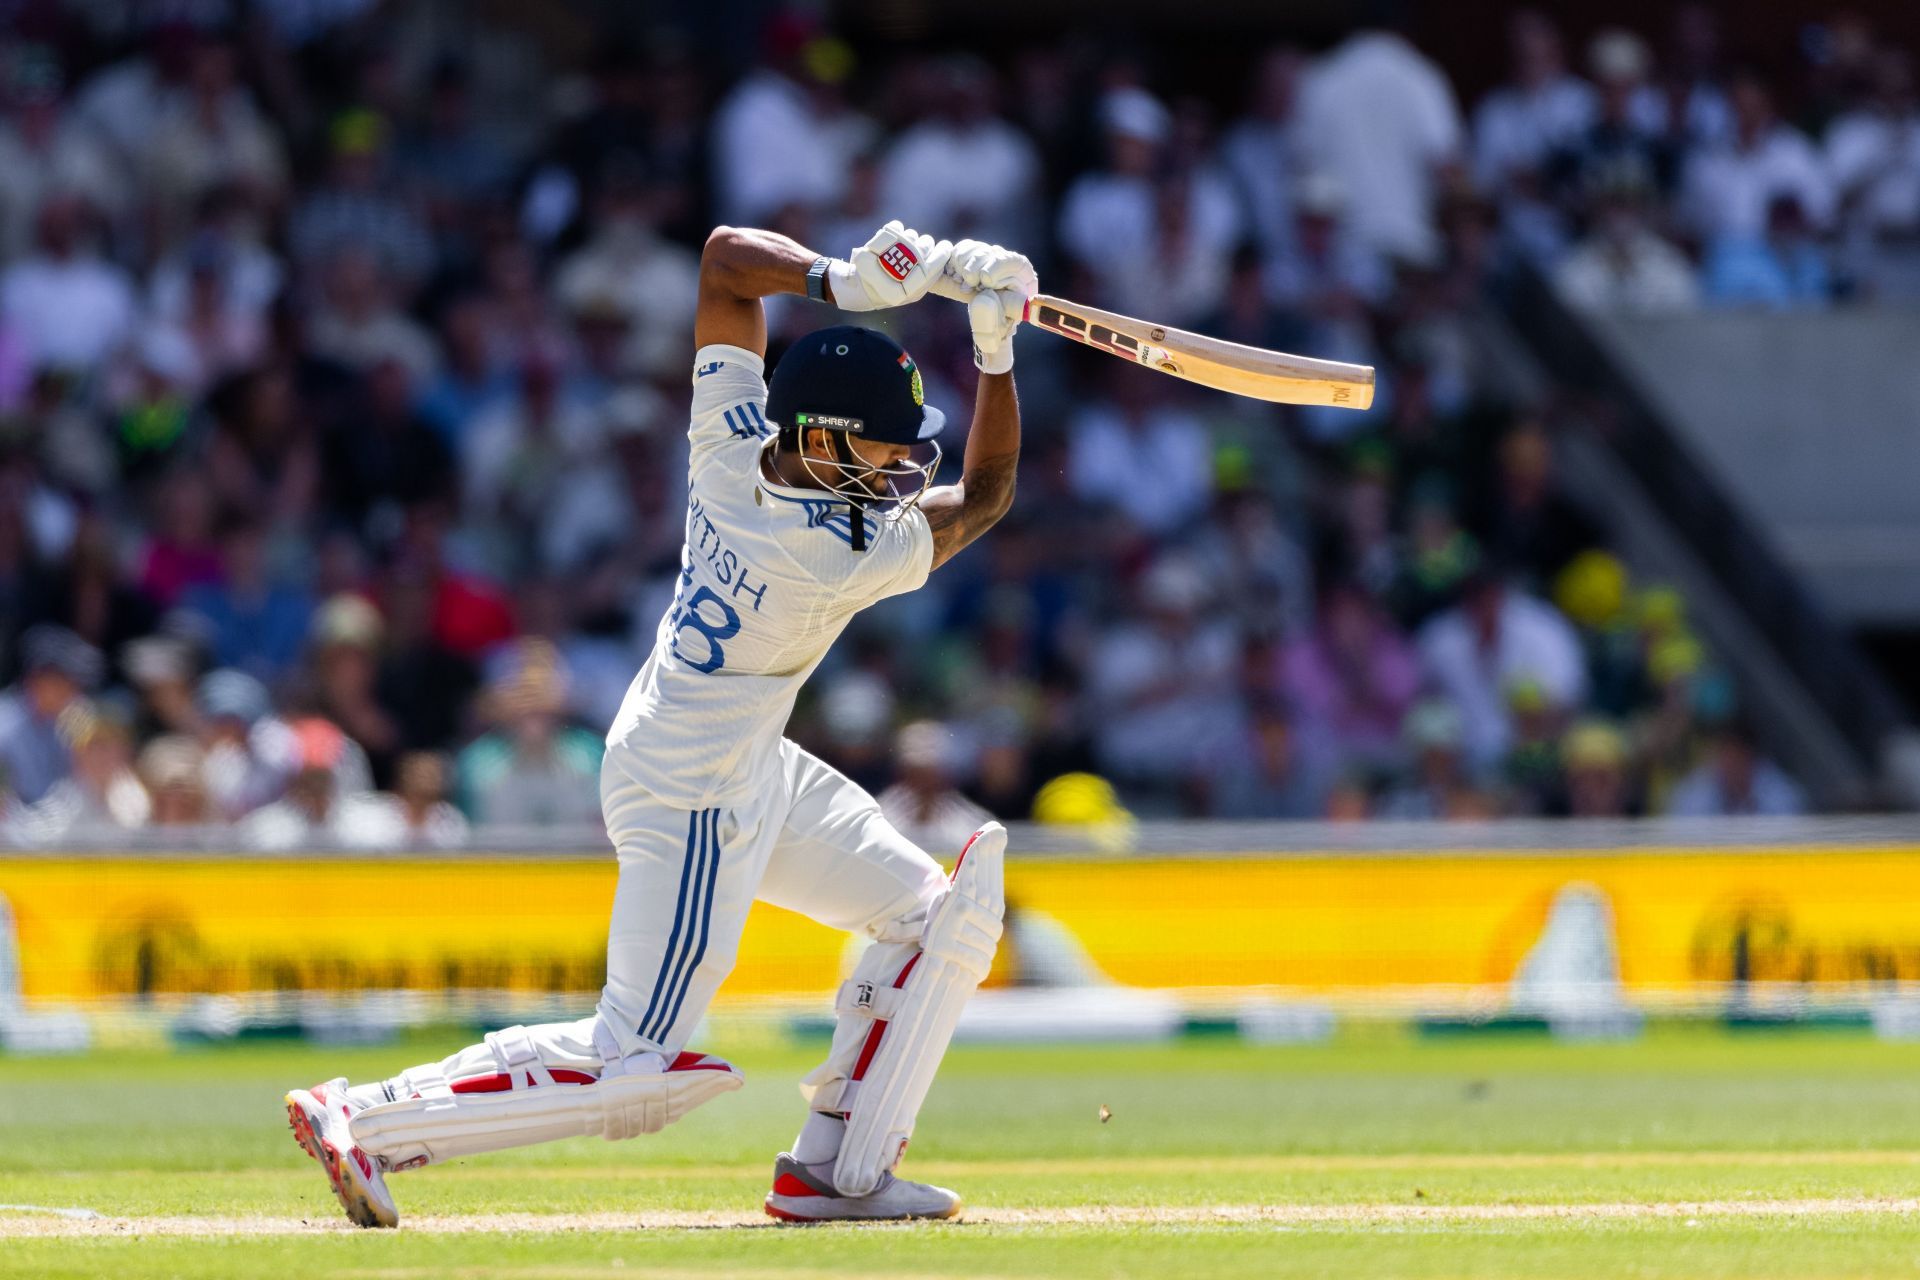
(994, 314)
(995, 283)
(897, 266)
(979, 265)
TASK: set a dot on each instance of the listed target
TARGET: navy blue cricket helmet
(859, 382)
(855, 380)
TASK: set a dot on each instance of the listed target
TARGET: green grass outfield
(1688, 1153)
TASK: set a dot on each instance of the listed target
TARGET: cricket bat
(1224, 366)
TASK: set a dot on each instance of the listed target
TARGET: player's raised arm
(742, 265)
(959, 513)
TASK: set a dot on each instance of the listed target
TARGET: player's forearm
(993, 444)
(748, 263)
(959, 513)
(993, 449)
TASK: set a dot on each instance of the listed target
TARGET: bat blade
(1225, 366)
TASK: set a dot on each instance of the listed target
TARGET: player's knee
(904, 919)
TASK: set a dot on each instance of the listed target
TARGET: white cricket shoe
(805, 1194)
(319, 1119)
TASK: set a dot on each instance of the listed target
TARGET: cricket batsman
(808, 500)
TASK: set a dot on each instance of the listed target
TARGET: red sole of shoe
(303, 1129)
(359, 1208)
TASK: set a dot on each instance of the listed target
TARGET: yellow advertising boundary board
(107, 926)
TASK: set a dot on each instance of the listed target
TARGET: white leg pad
(428, 1130)
(915, 1022)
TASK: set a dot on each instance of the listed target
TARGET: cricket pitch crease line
(1120, 1215)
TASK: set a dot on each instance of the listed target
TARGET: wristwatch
(817, 278)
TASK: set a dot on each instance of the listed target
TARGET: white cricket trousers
(810, 840)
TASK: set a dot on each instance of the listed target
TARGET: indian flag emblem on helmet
(919, 392)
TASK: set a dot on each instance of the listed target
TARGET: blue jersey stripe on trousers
(679, 922)
(699, 916)
(706, 925)
(699, 905)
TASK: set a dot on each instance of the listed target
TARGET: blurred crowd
(344, 361)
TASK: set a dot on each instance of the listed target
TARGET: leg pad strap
(515, 1049)
(865, 998)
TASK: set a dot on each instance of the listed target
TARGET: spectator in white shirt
(210, 135)
(247, 750)
(1727, 190)
(651, 281)
(226, 335)
(415, 815)
(1544, 109)
(1873, 153)
(315, 813)
(1381, 118)
(1326, 271)
(103, 790)
(359, 323)
(69, 305)
(44, 148)
(965, 170)
(1623, 264)
(1495, 638)
(1149, 243)
(1142, 454)
(125, 101)
(226, 231)
(785, 136)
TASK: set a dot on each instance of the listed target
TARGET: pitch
(1688, 1153)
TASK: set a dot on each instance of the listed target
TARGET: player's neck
(787, 468)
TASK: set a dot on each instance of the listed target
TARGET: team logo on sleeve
(899, 260)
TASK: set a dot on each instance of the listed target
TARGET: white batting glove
(994, 314)
(995, 283)
(897, 266)
(979, 265)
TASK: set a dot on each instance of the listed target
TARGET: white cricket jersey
(768, 580)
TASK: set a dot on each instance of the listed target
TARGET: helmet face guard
(852, 477)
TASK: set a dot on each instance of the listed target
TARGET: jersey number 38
(687, 616)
